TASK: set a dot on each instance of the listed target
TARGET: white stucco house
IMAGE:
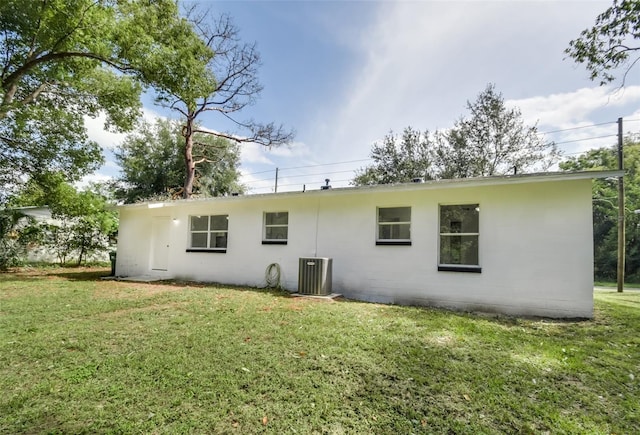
(518, 244)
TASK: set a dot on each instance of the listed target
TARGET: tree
(605, 208)
(229, 85)
(153, 164)
(398, 161)
(494, 140)
(82, 223)
(61, 60)
(612, 43)
(16, 232)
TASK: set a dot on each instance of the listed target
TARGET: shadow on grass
(71, 273)
(273, 291)
(80, 273)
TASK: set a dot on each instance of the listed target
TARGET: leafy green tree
(612, 43)
(605, 208)
(16, 233)
(398, 160)
(82, 223)
(61, 60)
(229, 85)
(153, 165)
(493, 140)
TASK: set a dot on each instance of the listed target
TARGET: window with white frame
(208, 233)
(276, 228)
(459, 238)
(394, 226)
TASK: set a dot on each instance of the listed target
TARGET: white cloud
(293, 150)
(254, 153)
(419, 62)
(110, 140)
(586, 117)
(259, 182)
(572, 109)
(92, 178)
(97, 132)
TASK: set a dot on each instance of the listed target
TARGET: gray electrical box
(314, 276)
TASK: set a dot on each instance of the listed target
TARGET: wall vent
(314, 276)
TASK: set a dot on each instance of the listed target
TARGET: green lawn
(80, 355)
(613, 284)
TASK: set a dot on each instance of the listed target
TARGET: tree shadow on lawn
(43, 273)
(79, 273)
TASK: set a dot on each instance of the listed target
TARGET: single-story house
(41, 253)
(518, 244)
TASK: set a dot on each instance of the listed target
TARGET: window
(394, 226)
(459, 233)
(276, 228)
(208, 233)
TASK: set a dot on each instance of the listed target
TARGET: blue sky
(344, 74)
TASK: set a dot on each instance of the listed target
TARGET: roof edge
(426, 185)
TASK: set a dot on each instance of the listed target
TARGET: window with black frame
(459, 238)
(276, 228)
(208, 233)
(394, 226)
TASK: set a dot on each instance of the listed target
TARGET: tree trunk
(82, 251)
(190, 167)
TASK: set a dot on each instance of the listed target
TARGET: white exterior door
(160, 243)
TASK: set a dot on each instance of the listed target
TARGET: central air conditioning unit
(314, 276)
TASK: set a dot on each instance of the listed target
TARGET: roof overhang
(454, 183)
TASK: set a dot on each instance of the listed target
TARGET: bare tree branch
(235, 69)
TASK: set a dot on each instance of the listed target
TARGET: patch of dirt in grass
(295, 307)
(122, 290)
(155, 307)
(441, 338)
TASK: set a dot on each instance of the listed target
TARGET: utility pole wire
(577, 128)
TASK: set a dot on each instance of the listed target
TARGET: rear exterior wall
(535, 246)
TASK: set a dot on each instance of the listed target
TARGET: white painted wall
(535, 245)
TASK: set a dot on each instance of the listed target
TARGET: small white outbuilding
(520, 244)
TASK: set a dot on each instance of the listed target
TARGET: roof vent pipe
(326, 186)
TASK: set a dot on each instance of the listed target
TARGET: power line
(303, 175)
(295, 184)
(326, 164)
(319, 175)
(369, 159)
(577, 128)
(261, 172)
(308, 166)
(584, 139)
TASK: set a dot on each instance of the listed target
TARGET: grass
(81, 355)
(613, 284)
